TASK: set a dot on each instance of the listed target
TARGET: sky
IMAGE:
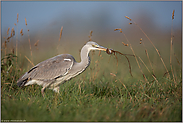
(44, 12)
(78, 18)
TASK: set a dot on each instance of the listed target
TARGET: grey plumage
(48, 69)
(55, 71)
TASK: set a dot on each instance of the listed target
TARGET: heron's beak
(102, 48)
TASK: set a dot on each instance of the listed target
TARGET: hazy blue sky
(78, 18)
(44, 12)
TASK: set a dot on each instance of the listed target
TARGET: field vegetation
(106, 91)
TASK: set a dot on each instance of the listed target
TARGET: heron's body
(55, 71)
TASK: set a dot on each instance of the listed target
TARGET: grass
(98, 94)
(99, 100)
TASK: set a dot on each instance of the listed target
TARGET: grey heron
(53, 72)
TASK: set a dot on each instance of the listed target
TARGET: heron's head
(94, 46)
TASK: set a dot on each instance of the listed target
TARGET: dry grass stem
(136, 58)
(17, 17)
(117, 29)
(35, 44)
(12, 32)
(140, 40)
(90, 36)
(25, 21)
(112, 74)
(128, 18)
(124, 44)
(30, 46)
(171, 48)
(153, 75)
(177, 60)
(30, 61)
(21, 32)
(148, 57)
(60, 36)
(127, 90)
(5, 45)
(120, 30)
(152, 44)
(173, 14)
(17, 38)
(110, 51)
(60, 33)
(8, 30)
(28, 39)
(149, 60)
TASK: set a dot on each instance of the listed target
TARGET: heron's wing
(50, 69)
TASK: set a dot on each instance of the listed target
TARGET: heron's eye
(94, 45)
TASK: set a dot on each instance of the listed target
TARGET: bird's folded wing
(50, 69)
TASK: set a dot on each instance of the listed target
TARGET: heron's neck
(85, 59)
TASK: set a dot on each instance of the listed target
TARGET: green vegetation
(99, 100)
(104, 92)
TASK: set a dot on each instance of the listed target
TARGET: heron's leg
(56, 89)
(42, 90)
(45, 86)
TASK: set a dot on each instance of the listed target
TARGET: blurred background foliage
(33, 29)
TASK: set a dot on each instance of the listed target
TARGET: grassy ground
(104, 92)
(89, 98)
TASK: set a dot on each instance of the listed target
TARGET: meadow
(106, 91)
